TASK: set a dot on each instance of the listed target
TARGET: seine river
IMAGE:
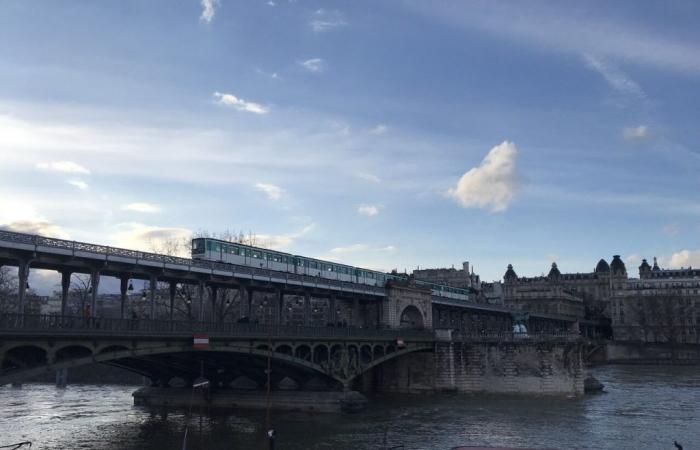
(644, 408)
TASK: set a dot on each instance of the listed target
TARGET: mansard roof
(510, 273)
(602, 266)
(554, 271)
(617, 266)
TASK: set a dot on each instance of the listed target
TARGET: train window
(256, 254)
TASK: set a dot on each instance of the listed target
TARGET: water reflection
(644, 408)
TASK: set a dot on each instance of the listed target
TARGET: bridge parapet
(54, 325)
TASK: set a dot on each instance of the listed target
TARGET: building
(560, 291)
(462, 278)
(662, 305)
(548, 295)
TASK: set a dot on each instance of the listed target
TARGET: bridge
(315, 332)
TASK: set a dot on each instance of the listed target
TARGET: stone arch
(72, 352)
(366, 354)
(378, 351)
(303, 352)
(411, 317)
(284, 349)
(24, 356)
(320, 354)
(111, 348)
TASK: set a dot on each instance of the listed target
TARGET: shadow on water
(643, 408)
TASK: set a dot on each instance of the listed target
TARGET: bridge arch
(412, 317)
(340, 364)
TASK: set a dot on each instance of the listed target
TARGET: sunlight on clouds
(83, 186)
(368, 210)
(273, 192)
(492, 184)
(684, 258)
(64, 166)
(146, 238)
(23, 218)
(239, 104)
(142, 207)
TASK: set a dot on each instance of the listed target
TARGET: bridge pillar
(279, 305)
(332, 313)
(307, 308)
(23, 276)
(213, 294)
(200, 298)
(65, 287)
(173, 291)
(123, 289)
(152, 299)
(244, 310)
(94, 285)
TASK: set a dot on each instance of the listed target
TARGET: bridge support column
(61, 378)
(123, 289)
(307, 308)
(356, 312)
(94, 285)
(152, 299)
(332, 314)
(65, 287)
(23, 276)
(173, 291)
(213, 294)
(200, 299)
(279, 305)
(244, 308)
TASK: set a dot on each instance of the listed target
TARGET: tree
(8, 290)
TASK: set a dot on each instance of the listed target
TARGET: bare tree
(80, 292)
(8, 290)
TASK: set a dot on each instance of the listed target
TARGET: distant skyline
(387, 135)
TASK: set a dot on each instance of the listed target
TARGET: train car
(246, 255)
(241, 254)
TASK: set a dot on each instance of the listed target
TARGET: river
(643, 408)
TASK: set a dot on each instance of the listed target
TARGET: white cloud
(616, 78)
(369, 177)
(639, 133)
(272, 191)
(633, 260)
(671, 229)
(323, 20)
(314, 65)
(208, 10)
(379, 129)
(83, 186)
(64, 166)
(43, 228)
(685, 258)
(357, 248)
(368, 210)
(239, 104)
(492, 184)
(271, 3)
(22, 217)
(142, 207)
(147, 238)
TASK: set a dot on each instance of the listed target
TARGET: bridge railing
(106, 251)
(43, 324)
(510, 336)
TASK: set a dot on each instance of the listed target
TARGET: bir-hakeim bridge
(401, 337)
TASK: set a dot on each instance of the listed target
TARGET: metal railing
(510, 336)
(56, 325)
(107, 251)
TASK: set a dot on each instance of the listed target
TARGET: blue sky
(385, 134)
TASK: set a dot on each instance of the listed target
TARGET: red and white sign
(201, 341)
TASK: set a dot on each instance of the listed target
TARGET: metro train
(246, 255)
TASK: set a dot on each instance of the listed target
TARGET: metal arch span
(342, 364)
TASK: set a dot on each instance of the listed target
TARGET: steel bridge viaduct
(365, 326)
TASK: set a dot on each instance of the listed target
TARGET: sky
(390, 134)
